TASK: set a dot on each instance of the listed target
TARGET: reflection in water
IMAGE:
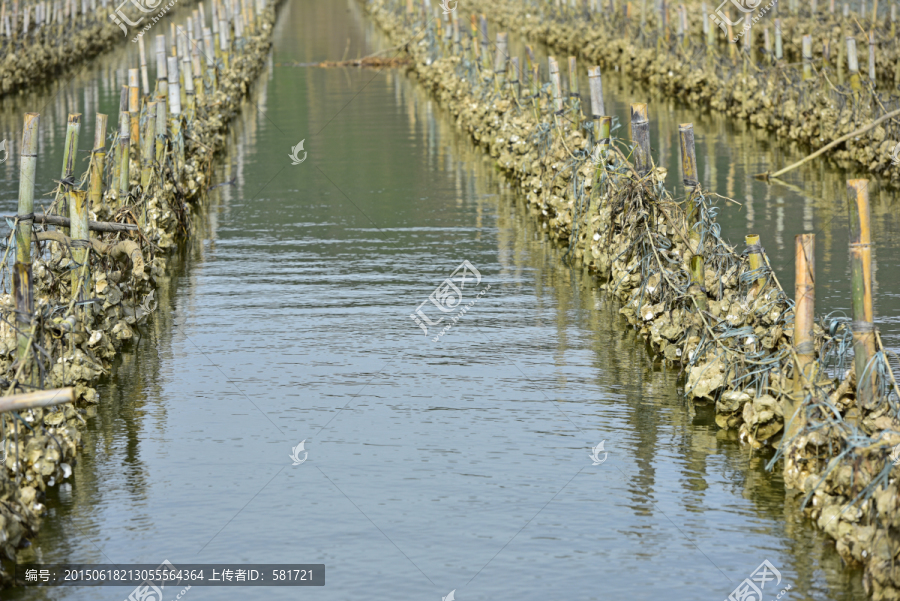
(459, 465)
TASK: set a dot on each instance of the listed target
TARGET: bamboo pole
(160, 131)
(134, 105)
(98, 158)
(145, 80)
(22, 283)
(807, 57)
(555, 84)
(33, 400)
(831, 145)
(78, 214)
(223, 43)
(70, 153)
(123, 157)
(689, 174)
(804, 320)
(779, 48)
(500, 58)
(640, 135)
(754, 257)
(574, 98)
(148, 147)
(174, 105)
(872, 54)
(161, 72)
(853, 65)
(516, 76)
(861, 279)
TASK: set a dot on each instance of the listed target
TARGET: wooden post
(754, 257)
(22, 283)
(555, 84)
(806, 46)
(640, 135)
(861, 281)
(574, 103)
(98, 158)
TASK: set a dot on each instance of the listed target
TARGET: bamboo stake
(22, 283)
(147, 147)
(689, 173)
(500, 58)
(597, 107)
(160, 131)
(779, 48)
(161, 72)
(640, 135)
(861, 278)
(134, 105)
(78, 214)
(98, 158)
(831, 145)
(754, 257)
(804, 320)
(33, 400)
(807, 57)
(145, 81)
(853, 65)
(555, 84)
(872, 55)
(123, 157)
(574, 103)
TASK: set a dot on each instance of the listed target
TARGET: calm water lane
(460, 464)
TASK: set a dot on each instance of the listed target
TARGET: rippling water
(460, 464)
